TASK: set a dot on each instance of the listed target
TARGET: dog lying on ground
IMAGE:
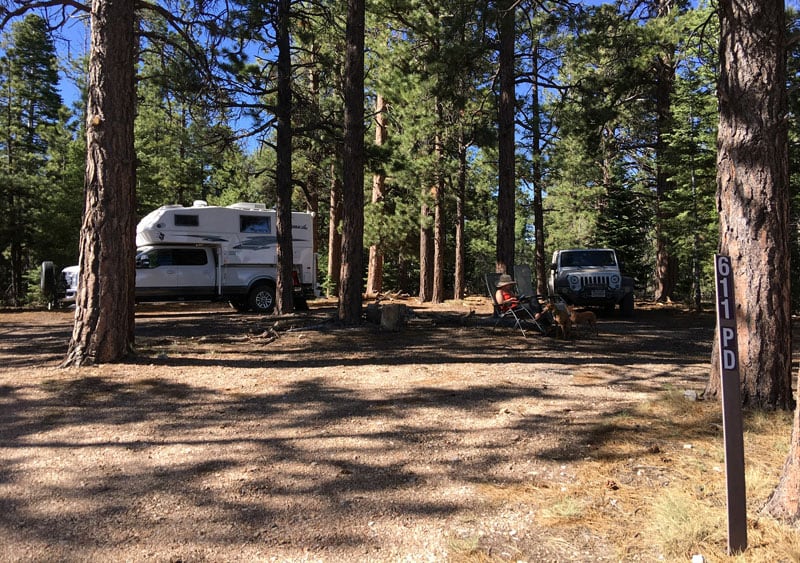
(583, 318)
(560, 318)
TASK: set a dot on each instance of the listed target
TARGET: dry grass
(667, 484)
(655, 488)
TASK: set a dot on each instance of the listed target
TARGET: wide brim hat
(505, 280)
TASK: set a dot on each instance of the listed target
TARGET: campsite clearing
(235, 437)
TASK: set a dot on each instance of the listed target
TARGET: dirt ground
(236, 437)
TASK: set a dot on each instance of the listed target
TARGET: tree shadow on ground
(94, 459)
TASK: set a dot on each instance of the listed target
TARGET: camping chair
(524, 279)
(519, 314)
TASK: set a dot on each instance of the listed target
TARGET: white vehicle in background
(215, 253)
(591, 277)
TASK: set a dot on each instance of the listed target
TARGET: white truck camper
(206, 252)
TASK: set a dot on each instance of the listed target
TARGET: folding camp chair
(520, 315)
(524, 279)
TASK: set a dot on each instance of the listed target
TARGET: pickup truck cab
(205, 252)
(192, 273)
(161, 270)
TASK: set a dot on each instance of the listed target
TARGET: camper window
(254, 224)
(186, 220)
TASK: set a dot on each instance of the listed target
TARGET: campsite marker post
(731, 405)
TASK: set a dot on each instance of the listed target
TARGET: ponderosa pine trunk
(283, 169)
(784, 503)
(459, 283)
(350, 296)
(425, 252)
(541, 265)
(753, 197)
(334, 235)
(375, 266)
(104, 313)
(439, 236)
(665, 271)
(506, 181)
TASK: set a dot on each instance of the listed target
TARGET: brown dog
(583, 318)
(560, 318)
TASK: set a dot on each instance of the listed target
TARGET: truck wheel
(626, 305)
(48, 283)
(262, 299)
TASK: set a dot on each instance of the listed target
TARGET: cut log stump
(393, 316)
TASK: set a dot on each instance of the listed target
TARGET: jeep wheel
(626, 305)
(262, 299)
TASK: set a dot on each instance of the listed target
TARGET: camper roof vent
(199, 203)
(249, 206)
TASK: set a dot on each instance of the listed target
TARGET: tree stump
(393, 316)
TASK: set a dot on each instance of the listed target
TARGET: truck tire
(626, 305)
(48, 283)
(262, 299)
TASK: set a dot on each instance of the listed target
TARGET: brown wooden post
(731, 405)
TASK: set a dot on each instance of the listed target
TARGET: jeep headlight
(614, 279)
(574, 282)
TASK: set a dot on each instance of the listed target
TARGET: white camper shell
(216, 253)
(244, 232)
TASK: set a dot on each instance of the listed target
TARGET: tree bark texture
(753, 196)
(314, 175)
(283, 168)
(375, 267)
(541, 266)
(664, 86)
(459, 283)
(425, 252)
(784, 503)
(506, 185)
(104, 314)
(439, 237)
(334, 235)
(350, 296)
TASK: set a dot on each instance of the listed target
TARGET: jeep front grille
(595, 281)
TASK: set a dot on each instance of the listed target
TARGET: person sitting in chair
(507, 297)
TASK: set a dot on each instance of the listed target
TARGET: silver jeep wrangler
(591, 277)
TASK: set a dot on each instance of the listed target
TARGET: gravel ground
(242, 438)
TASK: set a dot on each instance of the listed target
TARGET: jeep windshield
(588, 258)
